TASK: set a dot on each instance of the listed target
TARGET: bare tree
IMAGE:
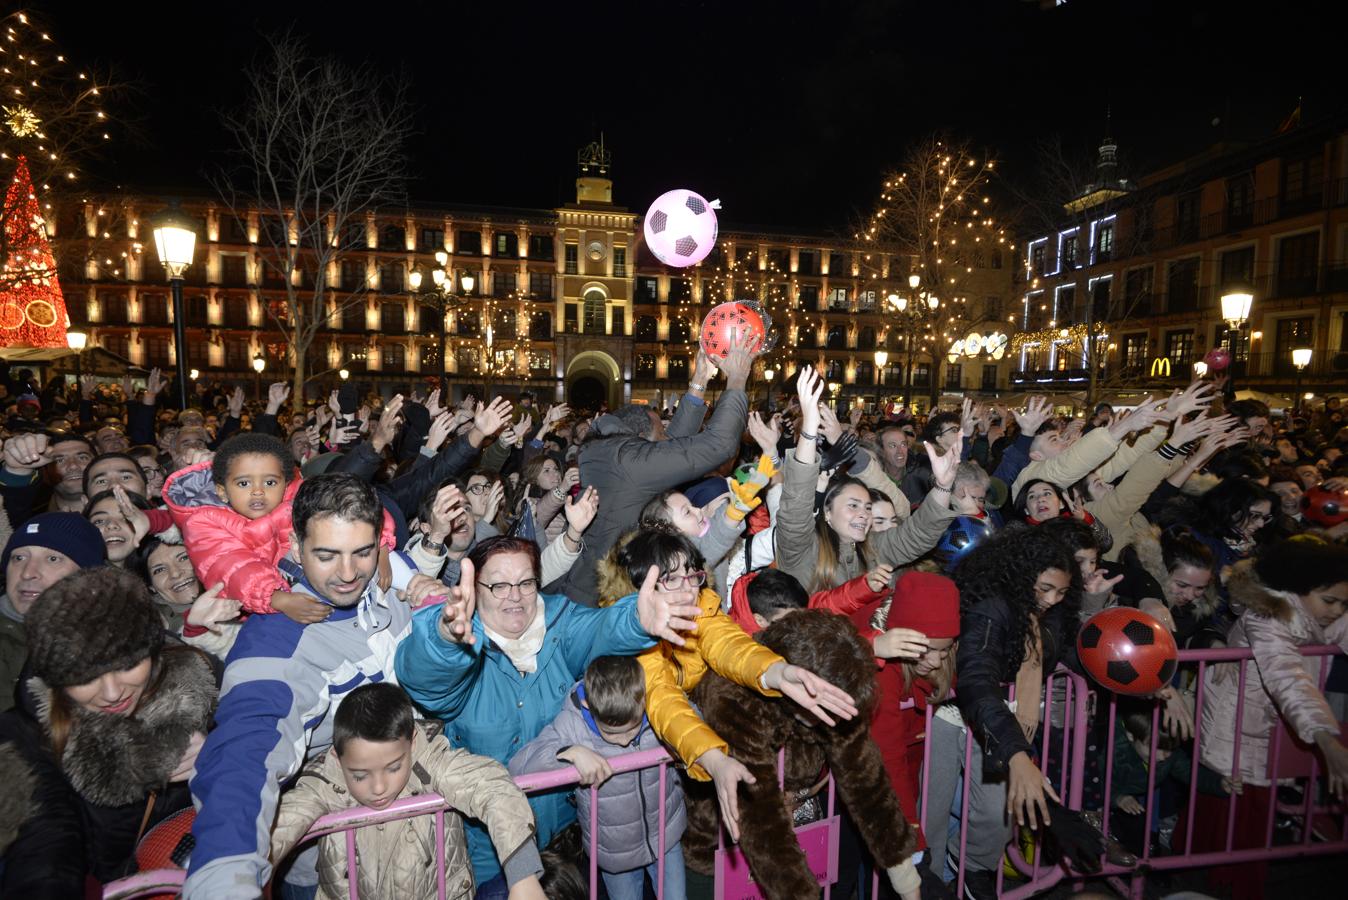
(54, 112)
(934, 219)
(318, 148)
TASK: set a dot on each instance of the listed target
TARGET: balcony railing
(1325, 195)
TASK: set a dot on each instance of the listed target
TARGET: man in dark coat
(633, 458)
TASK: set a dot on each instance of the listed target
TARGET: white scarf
(523, 650)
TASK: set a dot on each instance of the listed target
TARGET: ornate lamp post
(259, 363)
(77, 341)
(175, 241)
(881, 357)
(1301, 358)
(442, 295)
(911, 316)
(1236, 303)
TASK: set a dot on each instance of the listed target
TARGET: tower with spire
(1107, 185)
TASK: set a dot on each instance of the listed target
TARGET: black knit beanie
(89, 623)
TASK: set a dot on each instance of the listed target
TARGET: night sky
(788, 111)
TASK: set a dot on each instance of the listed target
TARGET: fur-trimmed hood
(1248, 591)
(17, 803)
(613, 581)
(1147, 545)
(112, 760)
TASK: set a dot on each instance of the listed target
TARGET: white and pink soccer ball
(680, 227)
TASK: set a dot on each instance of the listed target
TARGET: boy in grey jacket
(605, 717)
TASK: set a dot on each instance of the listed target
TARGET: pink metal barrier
(1062, 758)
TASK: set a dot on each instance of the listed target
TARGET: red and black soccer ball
(1127, 651)
(169, 844)
(1324, 507)
(726, 320)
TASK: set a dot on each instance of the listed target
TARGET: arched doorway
(593, 377)
(586, 392)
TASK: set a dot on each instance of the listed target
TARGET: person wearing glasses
(497, 659)
(720, 645)
(943, 431)
(1229, 519)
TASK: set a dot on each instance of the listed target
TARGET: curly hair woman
(1019, 593)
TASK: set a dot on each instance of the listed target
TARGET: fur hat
(64, 532)
(89, 623)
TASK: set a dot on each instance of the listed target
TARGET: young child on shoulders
(605, 717)
(380, 754)
(234, 515)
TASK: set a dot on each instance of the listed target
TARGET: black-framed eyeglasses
(948, 430)
(676, 582)
(478, 488)
(501, 589)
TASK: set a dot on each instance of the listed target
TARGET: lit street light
(175, 241)
(259, 363)
(1301, 358)
(77, 341)
(1236, 303)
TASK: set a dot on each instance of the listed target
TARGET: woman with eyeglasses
(672, 671)
(497, 659)
(147, 458)
(1229, 518)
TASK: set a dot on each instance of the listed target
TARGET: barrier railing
(1063, 741)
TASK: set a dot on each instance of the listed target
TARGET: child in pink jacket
(234, 515)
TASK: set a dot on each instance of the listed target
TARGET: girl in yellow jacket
(719, 644)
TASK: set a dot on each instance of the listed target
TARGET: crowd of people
(266, 612)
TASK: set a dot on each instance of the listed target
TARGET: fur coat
(1145, 558)
(756, 727)
(1280, 683)
(119, 765)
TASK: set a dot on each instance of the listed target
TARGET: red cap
(928, 603)
(739, 604)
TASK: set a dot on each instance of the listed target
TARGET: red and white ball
(721, 325)
(1127, 651)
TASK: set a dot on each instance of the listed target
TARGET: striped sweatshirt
(283, 682)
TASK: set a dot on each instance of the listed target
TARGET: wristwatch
(435, 549)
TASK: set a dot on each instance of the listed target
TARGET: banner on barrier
(819, 840)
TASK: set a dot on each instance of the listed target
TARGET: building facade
(566, 302)
(1132, 282)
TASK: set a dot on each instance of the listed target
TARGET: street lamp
(1301, 358)
(911, 318)
(77, 341)
(442, 281)
(194, 374)
(259, 363)
(343, 374)
(175, 240)
(1236, 303)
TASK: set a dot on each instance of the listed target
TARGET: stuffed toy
(755, 727)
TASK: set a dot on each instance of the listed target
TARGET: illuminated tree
(318, 148)
(32, 311)
(53, 112)
(934, 219)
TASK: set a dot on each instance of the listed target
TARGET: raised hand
(810, 692)
(210, 609)
(433, 404)
(492, 417)
(828, 421)
(1099, 582)
(439, 431)
(968, 417)
(25, 453)
(276, 397)
(765, 432)
(520, 430)
(236, 403)
(854, 416)
(1196, 396)
(387, 427)
(555, 414)
(809, 388)
(580, 511)
(943, 466)
(704, 370)
(334, 404)
(495, 497)
(89, 383)
(456, 615)
(446, 509)
(341, 435)
(1144, 415)
(153, 386)
(739, 361)
(665, 613)
(1036, 413)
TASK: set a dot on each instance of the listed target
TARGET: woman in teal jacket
(497, 659)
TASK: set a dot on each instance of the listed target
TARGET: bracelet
(1167, 451)
(699, 388)
(559, 493)
(575, 540)
(806, 436)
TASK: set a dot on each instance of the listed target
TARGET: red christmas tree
(32, 311)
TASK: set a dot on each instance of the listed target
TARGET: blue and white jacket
(283, 683)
